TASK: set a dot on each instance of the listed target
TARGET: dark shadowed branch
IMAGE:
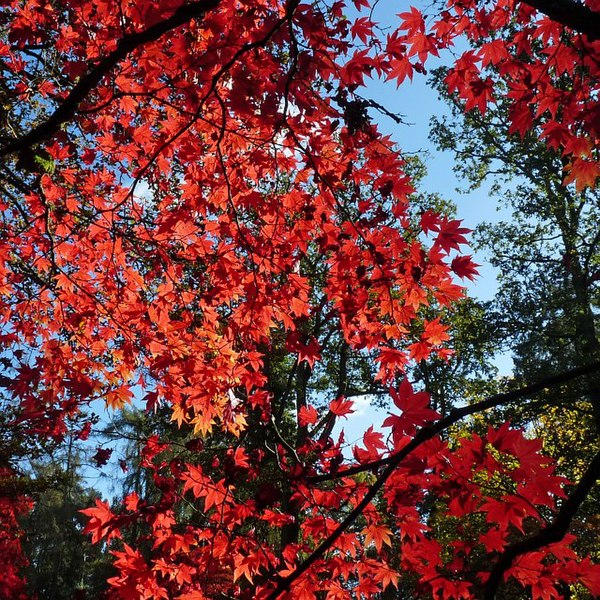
(460, 413)
(575, 15)
(425, 434)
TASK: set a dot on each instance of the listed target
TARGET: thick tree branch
(552, 533)
(125, 46)
(421, 437)
(460, 413)
(575, 15)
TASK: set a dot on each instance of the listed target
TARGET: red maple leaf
(101, 523)
(373, 441)
(307, 351)
(435, 332)
(307, 415)
(464, 267)
(451, 235)
(341, 406)
(102, 456)
(414, 409)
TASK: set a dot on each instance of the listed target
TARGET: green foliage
(63, 563)
(547, 256)
(469, 373)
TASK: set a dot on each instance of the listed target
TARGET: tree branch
(572, 14)
(459, 413)
(392, 462)
(552, 533)
(127, 44)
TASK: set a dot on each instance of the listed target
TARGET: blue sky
(417, 103)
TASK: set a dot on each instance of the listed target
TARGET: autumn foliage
(193, 192)
(12, 559)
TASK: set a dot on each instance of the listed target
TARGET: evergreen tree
(63, 563)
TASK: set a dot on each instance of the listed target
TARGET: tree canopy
(200, 215)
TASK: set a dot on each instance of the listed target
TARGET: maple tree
(198, 210)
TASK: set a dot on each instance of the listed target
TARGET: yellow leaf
(377, 535)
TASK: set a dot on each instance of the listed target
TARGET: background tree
(63, 563)
(547, 257)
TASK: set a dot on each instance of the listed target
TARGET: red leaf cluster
(194, 189)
